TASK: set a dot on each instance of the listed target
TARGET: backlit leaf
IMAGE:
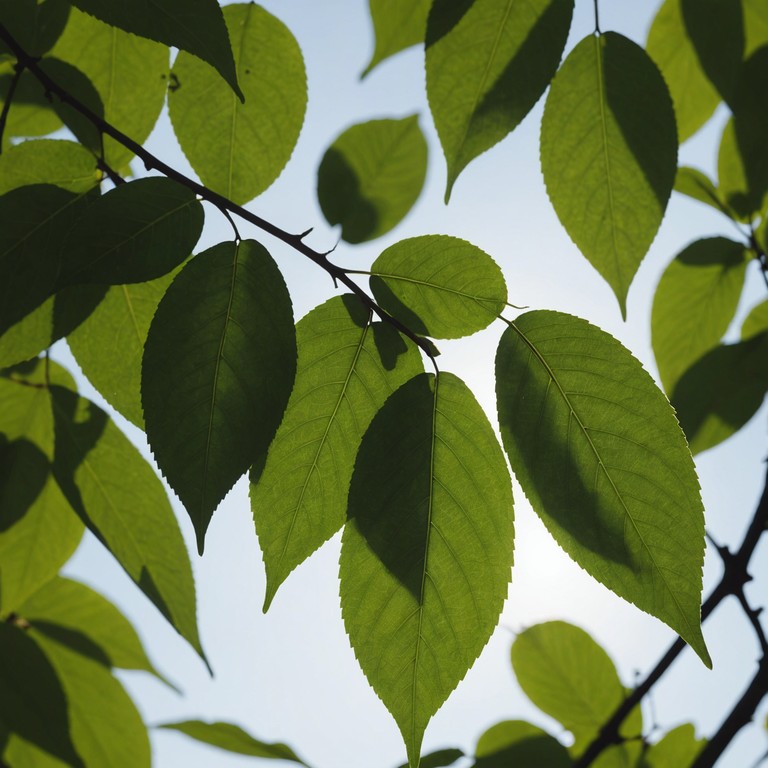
(677, 749)
(196, 26)
(488, 63)
(130, 74)
(31, 113)
(697, 185)
(347, 367)
(755, 25)
(33, 703)
(34, 24)
(109, 345)
(756, 321)
(520, 744)
(722, 391)
(135, 232)
(598, 451)
(568, 676)
(371, 176)
(239, 148)
(397, 24)
(732, 178)
(218, 368)
(121, 500)
(626, 755)
(439, 286)
(694, 304)
(426, 554)
(609, 154)
(233, 739)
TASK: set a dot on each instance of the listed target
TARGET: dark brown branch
(151, 162)
(17, 72)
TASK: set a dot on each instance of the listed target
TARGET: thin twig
(17, 72)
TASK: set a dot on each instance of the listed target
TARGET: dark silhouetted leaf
(426, 554)
(347, 367)
(218, 368)
(31, 113)
(371, 176)
(34, 24)
(598, 451)
(397, 24)
(609, 154)
(488, 63)
(520, 744)
(239, 149)
(439, 759)
(439, 286)
(755, 25)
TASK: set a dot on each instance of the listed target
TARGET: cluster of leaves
(334, 417)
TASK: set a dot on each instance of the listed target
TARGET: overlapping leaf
(134, 233)
(694, 304)
(122, 501)
(196, 26)
(609, 154)
(439, 758)
(129, 73)
(31, 112)
(34, 24)
(488, 63)
(755, 25)
(239, 149)
(371, 176)
(567, 675)
(514, 742)
(732, 184)
(697, 185)
(439, 286)
(218, 368)
(677, 748)
(598, 451)
(347, 367)
(756, 321)
(426, 554)
(397, 24)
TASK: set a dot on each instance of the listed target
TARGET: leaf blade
(397, 25)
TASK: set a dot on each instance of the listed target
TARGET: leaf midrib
(437, 287)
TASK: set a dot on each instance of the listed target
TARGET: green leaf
(670, 46)
(397, 25)
(34, 545)
(439, 759)
(219, 364)
(34, 24)
(31, 113)
(33, 704)
(33, 222)
(371, 176)
(195, 26)
(109, 345)
(755, 25)
(756, 321)
(694, 304)
(598, 451)
(233, 739)
(569, 677)
(520, 744)
(732, 178)
(609, 154)
(104, 723)
(697, 185)
(134, 233)
(64, 164)
(347, 367)
(426, 554)
(626, 755)
(677, 749)
(722, 391)
(487, 64)
(239, 149)
(129, 73)
(439, 286)
(74, 615)
(121, 500)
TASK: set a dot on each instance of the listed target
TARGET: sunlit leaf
(755, 25)
(239, 148)
(697, 185)
(609, 154)
(346, 369)
(233, 739)
(732, 178)
(567, 675)
(371, 176)
(626, 755)
(135, 232)
(756, 321)
(670, 46)
(119, 497)
(426, 554)
(74, 615)
(34, 24)
(598, 451)
(32, 701)
(196, 26)
(129, 73)
(677, 749)
(109, 345)
(397, 24)
(218, 368)
(439, 286)
(722, 391)
(520, 744)
(488, 63)
(30, 113)
(694, 304)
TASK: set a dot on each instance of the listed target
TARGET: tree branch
(17, 72)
